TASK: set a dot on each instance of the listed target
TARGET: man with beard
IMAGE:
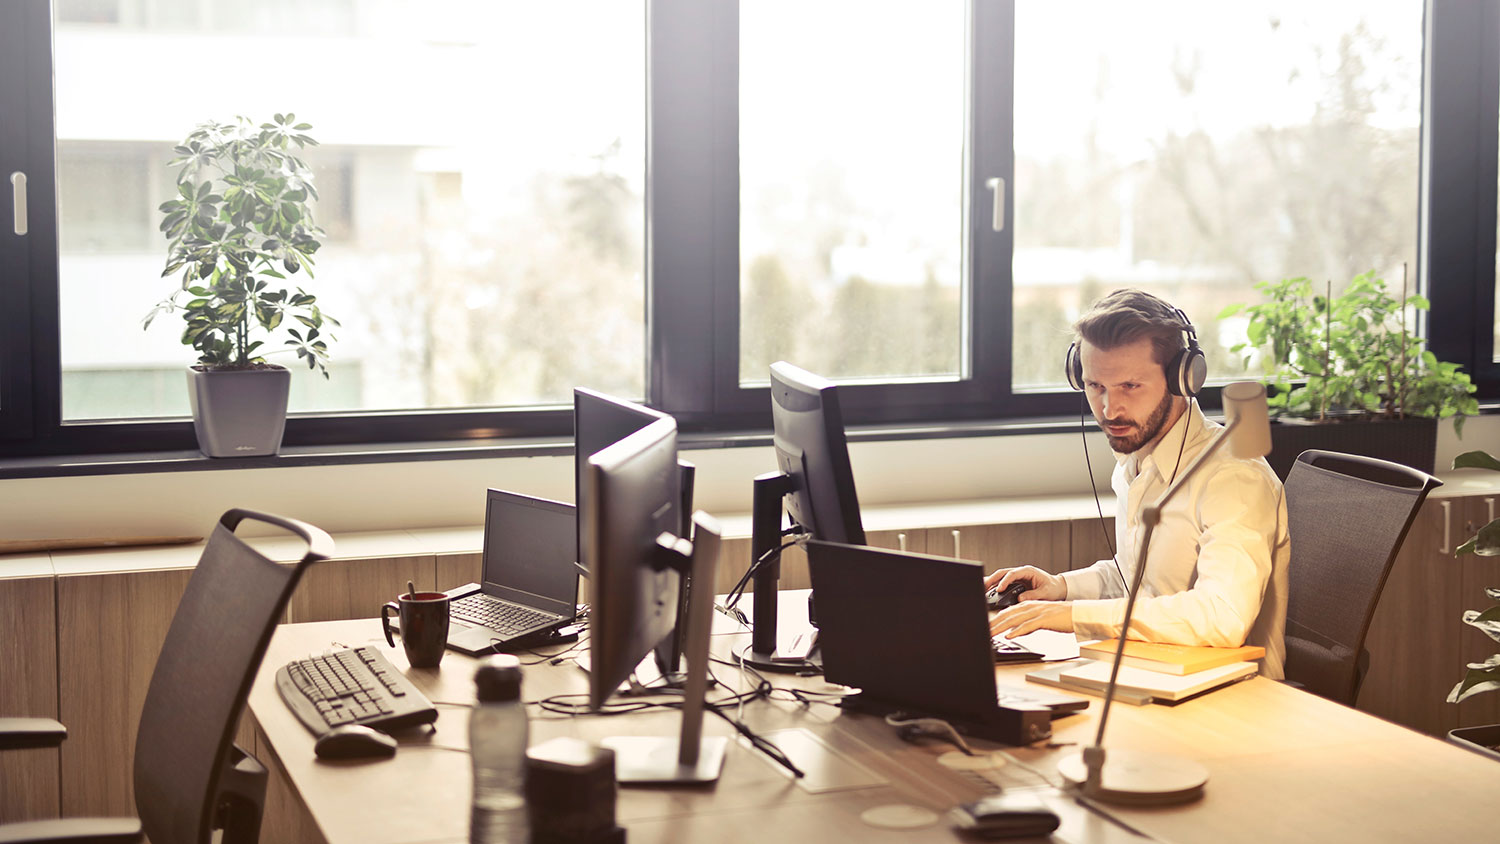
(1217, 570)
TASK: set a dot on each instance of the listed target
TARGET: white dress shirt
(1216, 573)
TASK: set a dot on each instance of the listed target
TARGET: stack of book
(1151, 671)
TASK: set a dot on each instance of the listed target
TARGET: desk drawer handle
(1489, 504)
(1447, 527)
(901, 542)
(958, 553)
(18, 200)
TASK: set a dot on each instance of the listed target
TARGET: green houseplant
(239, 226)
(1480, 677)
(1351, 358)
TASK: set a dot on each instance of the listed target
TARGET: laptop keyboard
(486, 611)
(1009, 650)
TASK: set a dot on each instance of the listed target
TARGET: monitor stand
(765, 536)
(690, 757)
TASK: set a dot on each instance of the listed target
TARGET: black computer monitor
(599, 421)
(631, 537)
(815, 485)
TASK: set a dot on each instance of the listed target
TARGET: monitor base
(763, 661)
(646, 760)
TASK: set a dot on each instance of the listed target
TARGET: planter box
(1481, 740)
(1410, 442)
(241, 412)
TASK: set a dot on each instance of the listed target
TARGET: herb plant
(240, 219)
(1480, 676)
(1350, 355)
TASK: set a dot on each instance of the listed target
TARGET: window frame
(692, 217)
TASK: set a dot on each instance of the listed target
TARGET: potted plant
(1335, 364)
(240, 224)
(1480, 677)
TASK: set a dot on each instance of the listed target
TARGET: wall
(442, 493)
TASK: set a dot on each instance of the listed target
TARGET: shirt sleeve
(1100, 580)
(1238, 514)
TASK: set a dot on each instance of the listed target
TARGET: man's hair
(1127, 315)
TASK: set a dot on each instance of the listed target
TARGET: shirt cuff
(1098, 619)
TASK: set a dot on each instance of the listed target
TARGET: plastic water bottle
(498, 734)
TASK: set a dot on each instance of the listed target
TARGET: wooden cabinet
(355, 588)
(1091, 541)
(28, 688)
(1041, 544)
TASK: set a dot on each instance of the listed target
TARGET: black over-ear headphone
(1186, 371)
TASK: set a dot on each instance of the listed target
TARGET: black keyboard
(484, 610)
(352, 686)
(1008, 650)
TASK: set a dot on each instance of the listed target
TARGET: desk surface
(1284, 765)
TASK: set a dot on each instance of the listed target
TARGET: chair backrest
(202, 678)
(1347, 516)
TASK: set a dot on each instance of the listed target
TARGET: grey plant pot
(1481, 740)
(239, 412)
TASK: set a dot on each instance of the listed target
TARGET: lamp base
(1138, 778)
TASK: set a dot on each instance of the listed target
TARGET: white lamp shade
(1245, 403)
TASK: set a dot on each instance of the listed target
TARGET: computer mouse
(1008, 815)
(996, 600)
(352, 741)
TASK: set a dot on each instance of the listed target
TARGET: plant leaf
(1476, 460)
(1487, 621)
(1481, 677)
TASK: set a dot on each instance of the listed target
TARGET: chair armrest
(73, 831)
(17, 733)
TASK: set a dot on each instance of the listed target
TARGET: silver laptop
(529, 580)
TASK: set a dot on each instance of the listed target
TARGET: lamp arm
(1150, 517)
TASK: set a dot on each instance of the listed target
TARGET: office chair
(1347, 516)
(190, 778)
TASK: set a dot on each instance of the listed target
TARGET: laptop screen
(529, 551)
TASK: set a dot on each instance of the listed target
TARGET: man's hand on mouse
(1042, 607)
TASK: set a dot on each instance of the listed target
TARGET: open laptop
(529, 584)
(912, 633)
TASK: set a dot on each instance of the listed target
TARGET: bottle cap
(498, 679)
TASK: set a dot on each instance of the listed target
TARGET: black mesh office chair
(1347, 517)
(190, 778)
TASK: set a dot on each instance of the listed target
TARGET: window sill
(53, 466)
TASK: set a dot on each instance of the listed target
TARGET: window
(1208, 147)
(658, 200)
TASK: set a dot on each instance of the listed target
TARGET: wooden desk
(1284, 765)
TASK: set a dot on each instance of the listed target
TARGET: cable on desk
(911, 728)
(733, 597)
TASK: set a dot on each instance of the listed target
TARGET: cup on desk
(424, 626)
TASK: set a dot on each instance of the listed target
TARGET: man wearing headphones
(1217, 569)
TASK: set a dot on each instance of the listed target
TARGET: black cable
(1089, 470)
(733, 597)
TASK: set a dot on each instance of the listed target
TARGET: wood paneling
(285, 819)
(28, 688)
(1413, 638)
(340, 589)
(1479, 573)
(1091, 541)
(1042, 544)
(457, 569)
(110, 631)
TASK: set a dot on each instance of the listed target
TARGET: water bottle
(498, 735)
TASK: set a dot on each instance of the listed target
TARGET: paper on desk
(1051, 644)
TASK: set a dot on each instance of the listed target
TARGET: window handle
(997, 216)
(18, 200)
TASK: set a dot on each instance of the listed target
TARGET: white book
(1138, 685)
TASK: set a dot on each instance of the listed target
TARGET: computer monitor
(631, 536)
(599, 421)
(815, 485)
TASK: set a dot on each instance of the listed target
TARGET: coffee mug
(424, 626)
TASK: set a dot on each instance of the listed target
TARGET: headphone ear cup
(1073, 367)
(1186, 372)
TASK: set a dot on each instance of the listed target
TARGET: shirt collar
(1190, 424)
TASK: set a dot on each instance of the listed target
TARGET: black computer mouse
(352, 741)
(995, 600)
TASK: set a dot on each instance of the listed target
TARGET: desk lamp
(1141, 777)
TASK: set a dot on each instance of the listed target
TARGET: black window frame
(692, 261)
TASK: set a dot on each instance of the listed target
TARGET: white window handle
(958, 552)
(997, 216)
(1447, 524)
(18, 199)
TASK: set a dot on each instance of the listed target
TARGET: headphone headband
(1185, 372)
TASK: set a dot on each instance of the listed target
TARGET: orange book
(1170, 659)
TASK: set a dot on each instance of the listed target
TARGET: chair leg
(242, 798)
